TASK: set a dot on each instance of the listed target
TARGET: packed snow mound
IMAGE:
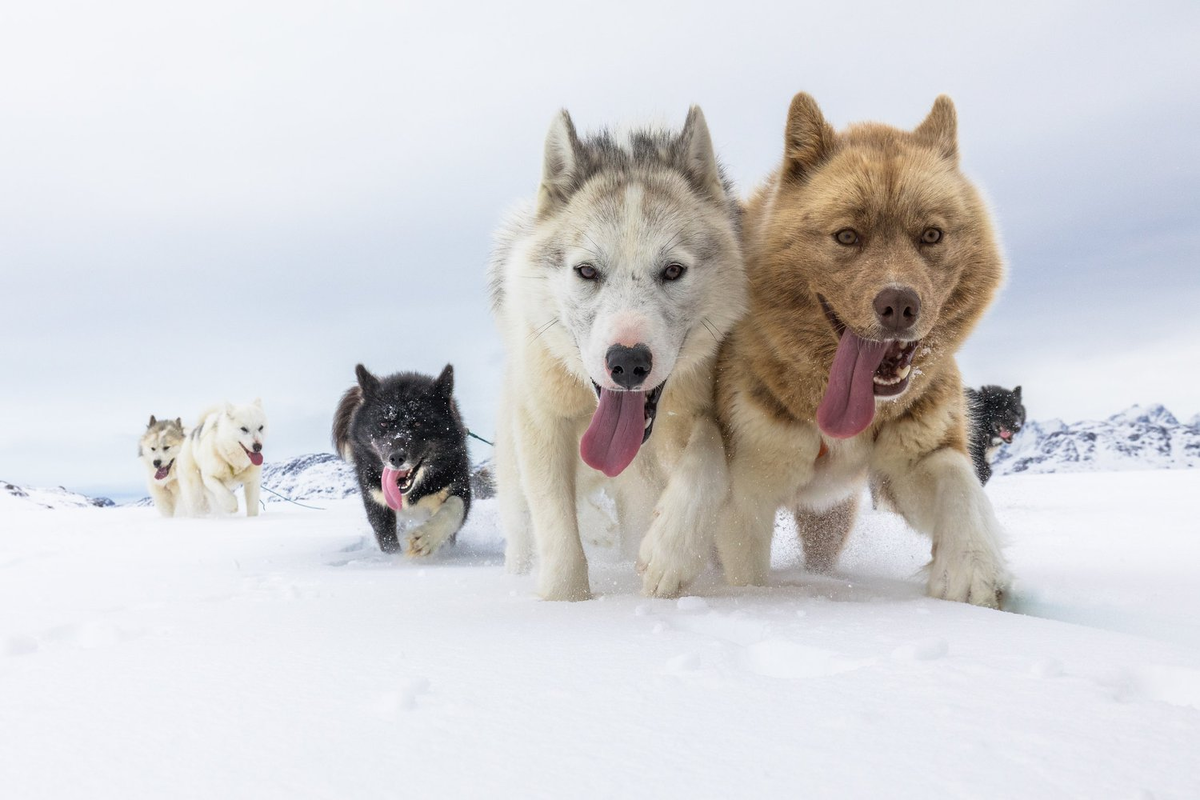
(1140, 437)
(57, 497)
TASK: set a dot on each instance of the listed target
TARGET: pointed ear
(258, 402)
(560, 164)
(445, 382)
(229, 409)
(366, 381)
(1017, 392)
(153, 421)
(808, 139)
(697, 155)
(940, 128)
(179, 422)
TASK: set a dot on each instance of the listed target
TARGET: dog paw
(667, 567)
(968, 578)
(422, 543)
(564, 588)
(230, 506)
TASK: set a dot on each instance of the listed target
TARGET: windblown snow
(284, 656)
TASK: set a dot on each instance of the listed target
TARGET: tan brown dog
(870, 259)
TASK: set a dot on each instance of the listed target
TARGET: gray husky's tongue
(616, 432)
(849, 403)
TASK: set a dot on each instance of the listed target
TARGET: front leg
(164, 501)
(222, 497)
(677, 545)
(547, 458)
(253, 489)
(426, 538)
(514, 510)
(940, 495)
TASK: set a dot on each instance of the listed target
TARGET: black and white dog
(996, 416)
(407, 441)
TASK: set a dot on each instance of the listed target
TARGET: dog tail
(350, 402)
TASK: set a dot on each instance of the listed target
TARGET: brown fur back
(342, 418)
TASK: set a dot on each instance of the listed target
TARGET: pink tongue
(391, 491)
(618, 426)
(255, 458)
(849, 403)
(161, 473)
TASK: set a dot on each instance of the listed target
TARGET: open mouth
(863, 370)
(162, 472)
(1006, 435)
(622, 423)
(398, 482)
(255, 456)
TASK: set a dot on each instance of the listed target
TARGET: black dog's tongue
(615, 433)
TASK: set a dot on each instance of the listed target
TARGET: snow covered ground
(284, 656)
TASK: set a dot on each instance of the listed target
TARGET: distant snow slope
(284, 656)
(1141, 437)
(58, 497)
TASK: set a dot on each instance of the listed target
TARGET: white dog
(158, 449)
(222, 451)
(612, 296)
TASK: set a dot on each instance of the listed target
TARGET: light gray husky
(613, 292)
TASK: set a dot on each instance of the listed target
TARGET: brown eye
(846, 236)
(673, 272)
(931, 236)
(587, 272)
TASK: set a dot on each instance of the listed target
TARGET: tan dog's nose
(897, 308)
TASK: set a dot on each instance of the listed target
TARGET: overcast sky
(229, 200)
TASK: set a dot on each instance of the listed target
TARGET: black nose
(629, 366)
(897, 309)
(397, 458)
(257, 447)
(158, 462)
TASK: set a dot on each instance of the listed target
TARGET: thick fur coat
(870, 258)
(158, 449)
(406, 439)
(996, 416)
(223, 451)
(612, 294)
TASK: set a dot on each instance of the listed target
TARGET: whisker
(547, 326)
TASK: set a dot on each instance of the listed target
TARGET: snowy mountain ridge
(1138, 438)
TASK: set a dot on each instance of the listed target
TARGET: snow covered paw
(422, 543)
(564, 588)
(968, 578)
(666, 571)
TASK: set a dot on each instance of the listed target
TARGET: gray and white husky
(613, 292)
(158, 448)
